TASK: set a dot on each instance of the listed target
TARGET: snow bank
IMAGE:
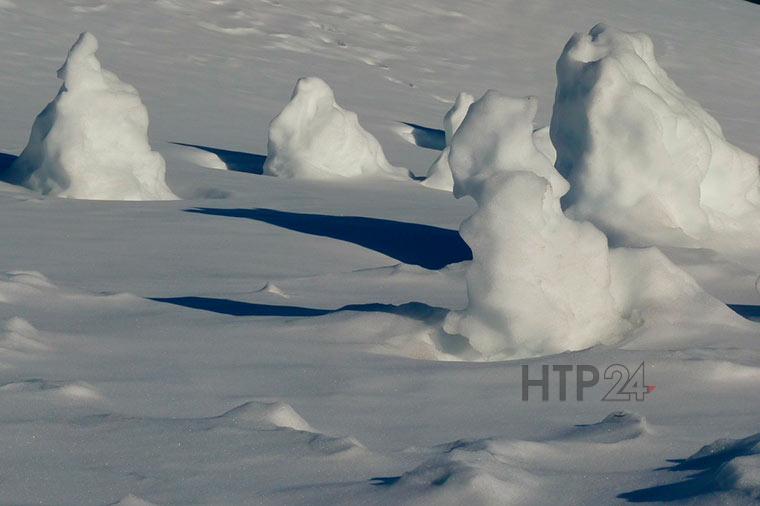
(540, 282)
(315, 138)
(439, 174)
(647, 164)
(91, 141)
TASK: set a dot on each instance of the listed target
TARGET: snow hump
(647, 164)
(541, 282)
(315, 138)
(91, 141)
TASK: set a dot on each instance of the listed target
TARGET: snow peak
(624, 385)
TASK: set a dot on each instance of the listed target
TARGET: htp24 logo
(624, 385)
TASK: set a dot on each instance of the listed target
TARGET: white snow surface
(315, 138)
(148, 356)
(91, 141)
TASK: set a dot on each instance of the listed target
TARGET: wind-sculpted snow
(647, 164)
(315, 138)
(439, 174)
(540, 282)
(501, 470)
(495, 137)
(91, 141)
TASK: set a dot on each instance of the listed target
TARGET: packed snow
(91, 141)
(313, 137)
(439, 174)
(282, 340)
(646, 163)
(528, 255)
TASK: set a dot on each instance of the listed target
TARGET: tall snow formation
(439, 174)
(91, 141)
(541, 282)
(646, 163)
(497, 136)
(315, 138)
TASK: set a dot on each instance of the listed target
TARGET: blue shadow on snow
(416, 310)
(411, 243)
(6, 160)
(236, 161)
(702, 482)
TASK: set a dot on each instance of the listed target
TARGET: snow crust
(541, 282)
(315, 138)
(647, 164)
(91, 141)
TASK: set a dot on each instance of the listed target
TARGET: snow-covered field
(288, 340)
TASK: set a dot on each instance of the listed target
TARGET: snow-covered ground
(267, 340)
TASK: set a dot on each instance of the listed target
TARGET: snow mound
(647, 164)
(19, 284)
(540, 282)
(273, 289)
(497, 136)
(32, 289)
(614, 428)
(200, 157)
(439, 174)
(20, 336)
(338, 446)
(739, 470)
(91, 141)
(741, 474)
(727, 447)
(133, 500)
(77, 391)
(266, 415)
(315, 138)
(463, 477)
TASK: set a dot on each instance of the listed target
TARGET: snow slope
(143, 344)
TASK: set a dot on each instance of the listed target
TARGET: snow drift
(647, 164)
(91, 141)
(540, 282)
(439, 174)
(315, 138)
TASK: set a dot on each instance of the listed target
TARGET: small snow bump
(133, 500)
(274, 290)
(261, 415)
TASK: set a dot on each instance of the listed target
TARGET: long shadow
(700, 483)
(426, 137)
(411, 243)
(749, 312)
(6, 160)
(416, 310)
(237, 161)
